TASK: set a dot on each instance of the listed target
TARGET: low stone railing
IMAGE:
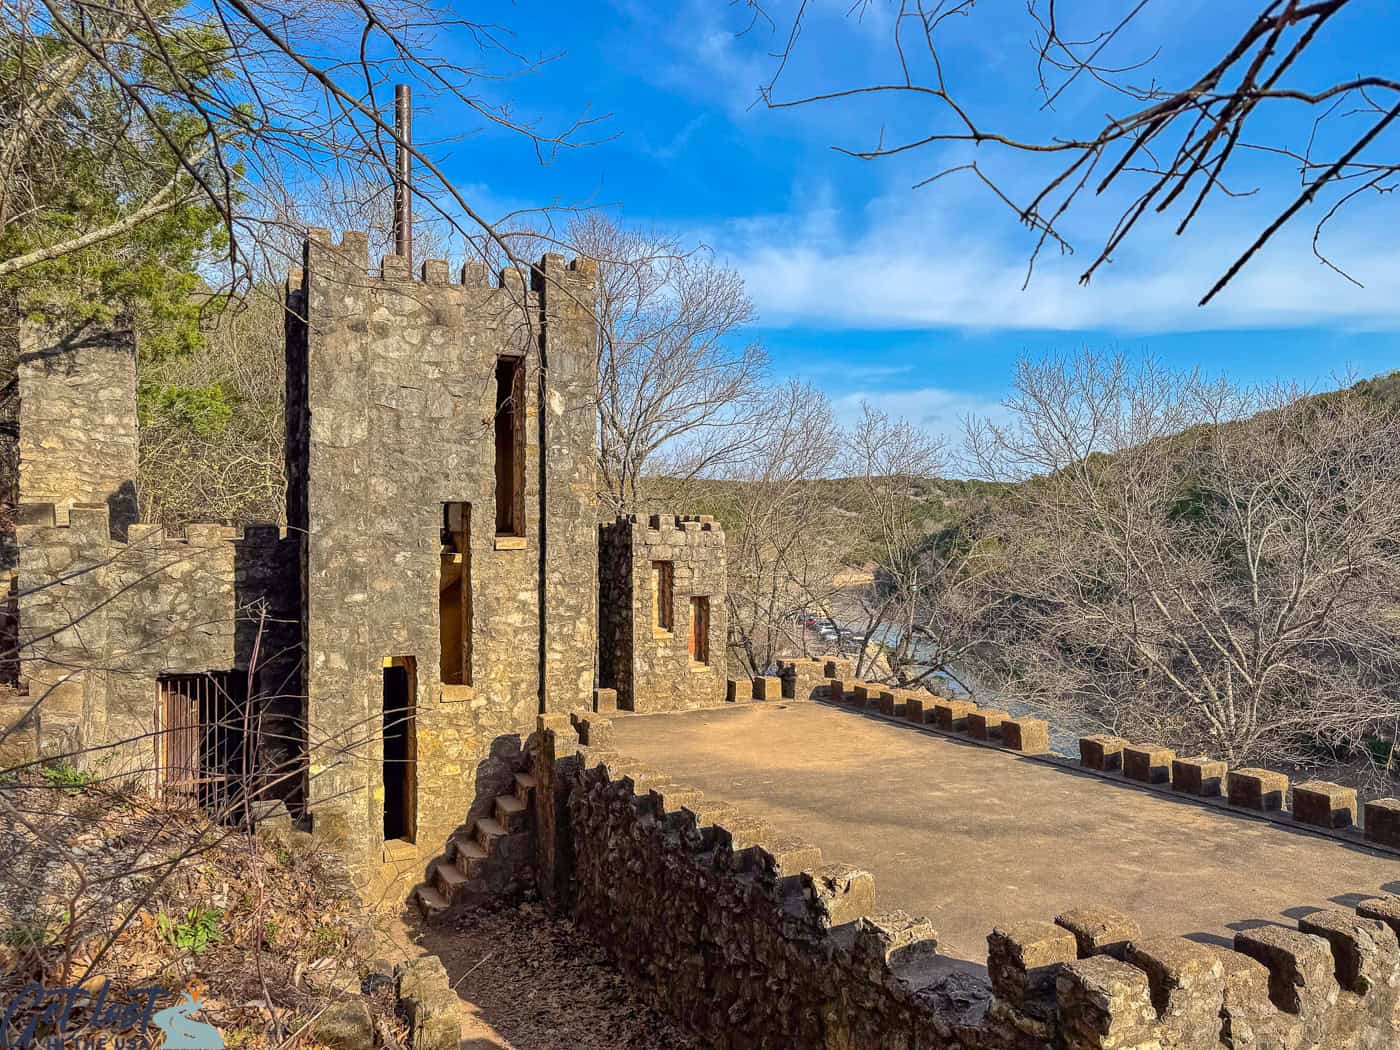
(1320, 806)
(751, 938)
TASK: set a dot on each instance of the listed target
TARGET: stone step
(512, 813)
(468, 855)
(448, 880)
(524, 786)
(488, 831)
(430, 902)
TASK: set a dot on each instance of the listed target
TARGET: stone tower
(440, 445)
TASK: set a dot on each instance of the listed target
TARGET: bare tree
(235, 105)
(680, 389)
(882, 458)
(1189, 122)
(785, 541)
(1188, 561)
(211, 424)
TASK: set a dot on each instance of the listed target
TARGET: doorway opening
(400, 749)
(699, 632)
(203, 748)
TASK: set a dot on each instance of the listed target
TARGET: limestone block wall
(102, 619)
(651, 668)
(749, 937)
(76, 441)
(392, 400)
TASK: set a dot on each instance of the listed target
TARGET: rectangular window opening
(663, 575)
(700, 631)
(455, 595)
(400, 749)
(510, 446)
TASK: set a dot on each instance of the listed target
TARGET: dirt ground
(972, 836)
(532, 982)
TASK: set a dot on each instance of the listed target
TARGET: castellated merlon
(798, 944)
(352, 253)
(663, 617)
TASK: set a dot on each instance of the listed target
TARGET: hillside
(936, 503)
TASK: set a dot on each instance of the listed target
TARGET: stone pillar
(568, 491)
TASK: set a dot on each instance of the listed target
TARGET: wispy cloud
(850, 371)
(914, 261)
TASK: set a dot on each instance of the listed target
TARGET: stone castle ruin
(375, 663)
(433, 663)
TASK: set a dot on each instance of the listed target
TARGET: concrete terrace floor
(971, 837)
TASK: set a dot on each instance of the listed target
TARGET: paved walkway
(971, 836)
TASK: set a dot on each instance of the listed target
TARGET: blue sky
(913, 298)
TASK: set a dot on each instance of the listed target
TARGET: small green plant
(284, 857)
(35, 932)
(234, 1038)
(68, 776)
(270, 932)
(199, 931)
(325, 938)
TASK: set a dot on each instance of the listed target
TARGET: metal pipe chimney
(403, 173)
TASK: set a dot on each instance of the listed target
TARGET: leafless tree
(681, 389)
(1188, 125)
(212, 431)
(1192, 562)
(785, 542)
(272, 101)
(882, 458)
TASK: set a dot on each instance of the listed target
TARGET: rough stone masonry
(753, 938)
(434, 590)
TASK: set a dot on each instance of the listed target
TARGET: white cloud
(930, 261)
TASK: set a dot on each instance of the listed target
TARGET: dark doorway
(400, 750)
(205, 739)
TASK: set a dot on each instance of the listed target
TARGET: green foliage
(36, 931)
(206, 411)
(197, 932)
(98, 160)
(66, 775)
(326, 939)
(1381, 751)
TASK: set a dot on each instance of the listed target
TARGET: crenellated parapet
(744, 931)
(663, 614)
(102, 618)
(1318, 806)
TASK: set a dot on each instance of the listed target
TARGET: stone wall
(651, 668)
(753, 940)
(102, 619)
(391, 415)
(77, 420)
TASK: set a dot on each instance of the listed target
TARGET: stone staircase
(485, 856)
